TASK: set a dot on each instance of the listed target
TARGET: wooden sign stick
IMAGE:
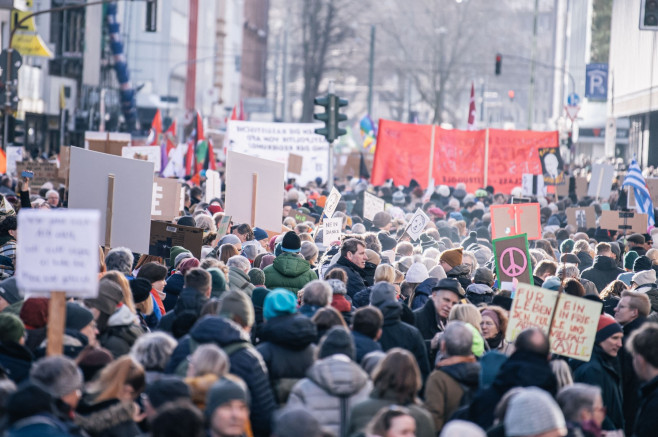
(254, 190)
(108, 215)
(56, 323)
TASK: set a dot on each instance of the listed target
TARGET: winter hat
(260, 234)
(256, 276)
(381, 219)
(382, 292)
(237, 303)
(174, 252)
(453, 257)
(181, 257)
(250, 251)
(77, 316)
(214, 209)
(387, 242)
(120, 259)
(629, 259)
(337, 286)
(472, 239)
(186, 221)
(166, 389)
(607, 327)
(34, 312)
(373, 257)
(9, 290)
(337, 341)
(567, 246)
(295, 422)
(218, 281)
(458, 428)
(358, 228)
(398, 198)
(11, 328)
(57, 375)
(533, 411)
(640, 264)
(417, 273)
(309, 250)
(493, 316)
(478, 341)
(449, 284)
(279, 302)
(427, 241)
(291, 242)
(223, 391)
(187, 264)
(569, 258)
(644, 277)
(266, 260)
(229, 239)
(438, 212)
(141, 289)
(109, 296)
(437, 272)
(636, 239)
(552, 283)
(258, 296)
(483, 276)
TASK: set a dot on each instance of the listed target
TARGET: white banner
(331, 230)
(213, 185)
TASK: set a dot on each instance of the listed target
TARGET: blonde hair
(102, 268)
(467, 313)
(145, 307)
(385, 273)
(112, 379)
(120, 279)
(652, 254)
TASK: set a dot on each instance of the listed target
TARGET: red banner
(458, 157)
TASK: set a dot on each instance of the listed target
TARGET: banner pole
(429, 174)
(486, 158)
(254, 191)
(109, 213)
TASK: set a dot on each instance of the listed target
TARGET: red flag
(170, 137)
(199, 127)
(471, 109)
(189, 158)
(212, 165)
(156, 129)
(238, 112)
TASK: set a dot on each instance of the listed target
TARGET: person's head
(243, 231)
(317, 293)
(494, 322)
(613, 289)
(573, 287)
(467, 313)
(566, 270)
(122, 379)
(155, 273)
(236, 305)
(110, 294)
(604, 249)
(532, 413)
(633, 304)
(126, 292)
(457, 340)
(239, 262)
(643, 345)
(208, 359)
(60, 377)
(545, 268)
(581, 403)
(256, 277)
(309, 252)
(404, 249)
(296, 421)
(279, 302)
(397, 375)
(153, 350)
(199, 280)
(385, 273)
(354, 250)
(226, 252)
(337, 340)
(52, 198)
(445, 295)
(609, 334)
(81, 319)
(392, 421)
(533, 340)
(176, 418)
(368, 321)
(227, 407)
(168, 388)
(12, 329)
(120, 259)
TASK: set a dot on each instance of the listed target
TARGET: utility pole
(531, 94)
(277, 61)
(284, 79)
(190, 80)
(371, 72)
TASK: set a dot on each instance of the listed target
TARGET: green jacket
(289, 271)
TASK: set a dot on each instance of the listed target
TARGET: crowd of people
(276, 333)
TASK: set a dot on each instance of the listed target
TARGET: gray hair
(49, 192)
(575, 398)
(209, 359)
(240, 262)
(567, 270)
(458, 339)
(317, 293)
(57, 375)
(153, 350)
(120, 259)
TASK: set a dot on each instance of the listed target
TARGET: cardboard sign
(166, 199)
(295, 163)
(513, 259)
(58, 251)
(64, 162)
(133, 192)
(331, 203)
(628, 222)
(518, 200)
(372, 205)
(508, 220)
(300, 217)
(532, 307)
(164, 236)
(573, 330)
(224, 223)
(331, 230)
(111, 143)
(213, 185)
(600, 183)
(652, 184)
(43, 172)
(240, 201)
(417, 224)
(582, 217)
(14, 155)
(551, 165)
(579, 186)
(145, 153)
(533, 185)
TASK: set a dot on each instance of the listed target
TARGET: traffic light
(151, 15)
(16, 132)
(499, 63)
(331, 116)
(649, 15)
(340, 117)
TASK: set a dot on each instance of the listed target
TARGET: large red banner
(404, 152)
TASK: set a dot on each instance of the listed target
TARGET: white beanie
(417, 273)
(645, 277)
(438, 272)
(533, 411)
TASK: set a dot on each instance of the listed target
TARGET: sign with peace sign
(513, 259)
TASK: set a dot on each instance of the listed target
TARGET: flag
(167, 145)
(3, 161)
(156, 129)
(471, 109)
(643, 201)
(199, 128)
(369, 133)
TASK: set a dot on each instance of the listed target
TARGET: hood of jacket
(237, 276)
(291, 265)
(121, 317)
(291, 331)
(525, 369)
(479, 289)
(391, 310)
(103, 416)
(652, 294)
(461, 270)
(464, 370)
(219, 330)
(426, 286)
(190, 300)
(338, 375)
(604, 263)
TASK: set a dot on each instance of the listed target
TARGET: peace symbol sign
(509, 266)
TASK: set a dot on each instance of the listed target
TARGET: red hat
(214, 209)
(607, 327)
(437, 212)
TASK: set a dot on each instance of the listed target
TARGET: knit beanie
(57, 375)
(141, 289)
(531, 412)
(250, 251)
(223, 391)
(291, 242)
(373, 257)
(279, 302)
(77, 316)
(237, 303)
(644, 277)
(181, 257)
(11, 328)
(337, 286)
(417, 273)
(640, 264)
(483, 276)
(266, 260)
(166, 389)
(9, 290)
(462, 428)
(570, 258)
(453, 257)
(109, 296)
(437, 272)
(629, 259)
(256, 276)
(229, 239)
(567, 246)
(309, 250)
(381, 219)
(174, 252)
(188, 264)
(387, 242)
(427, 241)
(295, 422)
(337, 341)
(34, 312)
(91, 361)
(382, 292)
(607, 327)
(260, 234)
(472, 239)
(552, 283)
(218, 282)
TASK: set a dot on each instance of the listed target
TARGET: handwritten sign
(624, 221)
(300, 217)
(224, 223)
(331, 230)
(573, 330)
(578, 184)
(532, 308)
(417, 224)
(508, 220)
(372, 205)
(213, 185)
(513, 259)
(43, 172)
(533, 185)
(583, 217)
(145, 153)
(332, 202)
(58, 251)
(166, 200)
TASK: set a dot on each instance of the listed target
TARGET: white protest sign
(145, 153)
(165, 204)
(600, 183)
(213, 185)
(58, 251)
(331, 230)
(533, 185)
(417, 224)
(14, 155)
(181, 207)
(332, 202)
(372, 205)
(276, 141)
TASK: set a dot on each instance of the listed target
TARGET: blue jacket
(364, 345)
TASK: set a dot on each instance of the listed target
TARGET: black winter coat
(423, 292)
(462, 274)
(586, 261)
(603, 271)
(356, 277)
(427, 322)
(247, 363)
(173, 289)
(364, 345)
(631, 383)
(189, 300)
(16, 360)
(646, 421)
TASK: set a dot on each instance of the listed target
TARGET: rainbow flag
(369, 133)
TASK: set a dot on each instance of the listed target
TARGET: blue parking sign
(596, 82)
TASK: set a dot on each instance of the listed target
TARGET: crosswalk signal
(499, 63)
(328, 117)
(649, 15)
(340, 117)
(16, 132)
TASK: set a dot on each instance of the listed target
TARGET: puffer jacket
(423, 292)
(121, 333)
(16, 360)
(110, 418)
(238, 280)
(332, 386)
(603, 271)
(586, 261)
(288, 351)
(462, 274)
(289, 271)
(652, 294)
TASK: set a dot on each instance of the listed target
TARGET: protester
(604, 270)
(227, 410)
(353, 261)
(494, 327)
(366, 331)
(289, 270)
(582, 406)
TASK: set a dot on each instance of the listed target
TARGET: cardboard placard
(600, 183)
(295, 163)
(64, 162)
(164, 236)
(533, 185)
(551, 165)
(332, 202)
(145, 153)
(14, 155)
(43, 172)
(580, 187)
(58, 251)
(532, 307)
(240, 170)
(513, 259)
(133, 192)
(417, 224)
(573, 330)
(629, 222)
(582, 217)
(213, 185)
(111, 143)
(224, 223)
(331, 230)
(300, 217)
(372, 205)
(508, 220)
(652, 185)
(166, 199)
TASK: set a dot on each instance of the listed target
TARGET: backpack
(181, 369)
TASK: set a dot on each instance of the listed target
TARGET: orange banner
(458, 157)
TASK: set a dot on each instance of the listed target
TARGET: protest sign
(332, 202)
(43, 172)
(552, 165)
(111, 143)
(224, 223)
(166, 199)
(575, 185)
(518, 200)
(276, 141)
(627, 222)
(14, 155)
(532, 307)
(600, 183)
(652, 185)
(254, 190)
(513, 259)
(64, 163)
(508, 220)
(417, 224)
(295, 163)
(573, 330)
(213, 185)
(582, 217)
(331, 230)
(372, 205)
(164, 236)
(300, 217)
(145, 153)
(129, 211)
(533, 185)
